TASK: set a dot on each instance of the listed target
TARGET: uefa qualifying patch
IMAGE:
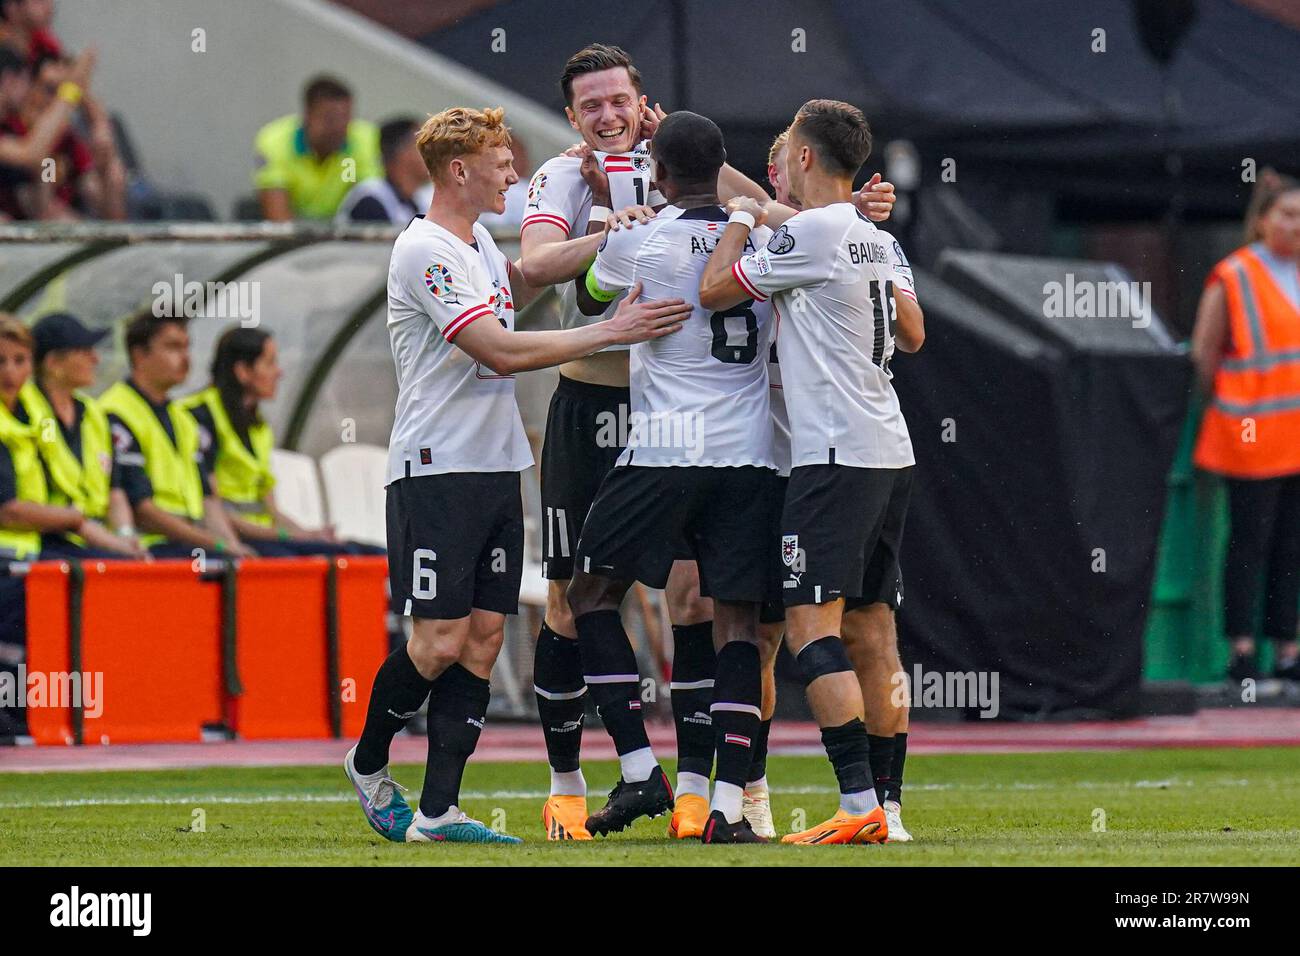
(781, 242)
(437, 279)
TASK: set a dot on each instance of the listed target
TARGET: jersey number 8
(735, 334)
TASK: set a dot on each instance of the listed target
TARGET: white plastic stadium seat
(353, 476)
(297, 488)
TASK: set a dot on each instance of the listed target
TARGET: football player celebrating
(867, 630)
(602, 90)
(697, 468)
(833, 276)
(562, 228)
(455, 516)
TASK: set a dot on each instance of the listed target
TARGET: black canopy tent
(1010, 89)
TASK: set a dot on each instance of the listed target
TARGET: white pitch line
(191, 800)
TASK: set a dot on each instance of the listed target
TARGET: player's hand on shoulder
(747, 204)
(628, 216)
(876, 199)
(638, 321)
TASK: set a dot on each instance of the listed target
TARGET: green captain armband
(596, 292)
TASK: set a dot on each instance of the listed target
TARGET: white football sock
(727, 800)
(451, 815)
(637, 765)
(569, 784)
(759, 784)
(695, 783)
(857, 804)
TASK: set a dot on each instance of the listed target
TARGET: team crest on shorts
(789, 549)
(437, 279)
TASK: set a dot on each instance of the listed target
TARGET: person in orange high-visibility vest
(1246, 346)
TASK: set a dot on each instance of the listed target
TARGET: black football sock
(758, 766)
(882, 764)
(737, 693)
(895, 790)
(561, 697)
(397, 694)
(850, 754)
(458, 703)
(610, 670)
(691, 683)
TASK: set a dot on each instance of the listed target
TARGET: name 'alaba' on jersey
(833, 277)
(558, 195)
(700, 395)
(453, 414)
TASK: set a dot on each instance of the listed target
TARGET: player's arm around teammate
(455, 514)
(835, 282)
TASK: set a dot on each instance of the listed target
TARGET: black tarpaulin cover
(1040, 485)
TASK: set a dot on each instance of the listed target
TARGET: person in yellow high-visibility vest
(29, 514)
(1246, 346)
(235, 443)
(156, 447)
(73, 436)
(26, 514)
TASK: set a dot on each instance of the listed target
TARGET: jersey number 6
(424, 581)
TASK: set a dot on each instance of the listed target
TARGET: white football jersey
(699, 395)
(558, 195)
(833, 276)
(453, 415)
(776, 397)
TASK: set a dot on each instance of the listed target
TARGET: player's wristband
(282, 535)
(69, 92)
(742, 217)
(124, 531)
(599, 214)
(219, 546)
(594, 289)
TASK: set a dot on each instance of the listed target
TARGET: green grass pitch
(1132, 807)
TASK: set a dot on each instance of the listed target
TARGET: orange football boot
(689, 814)
(844, 828)
(565, 818)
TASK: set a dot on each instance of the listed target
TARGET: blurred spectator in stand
(404, 191)
(25, 26)
(1246, 346)
(88, 178)
(235, 444)
(516, 195)
(23, 155)
(307, 164)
